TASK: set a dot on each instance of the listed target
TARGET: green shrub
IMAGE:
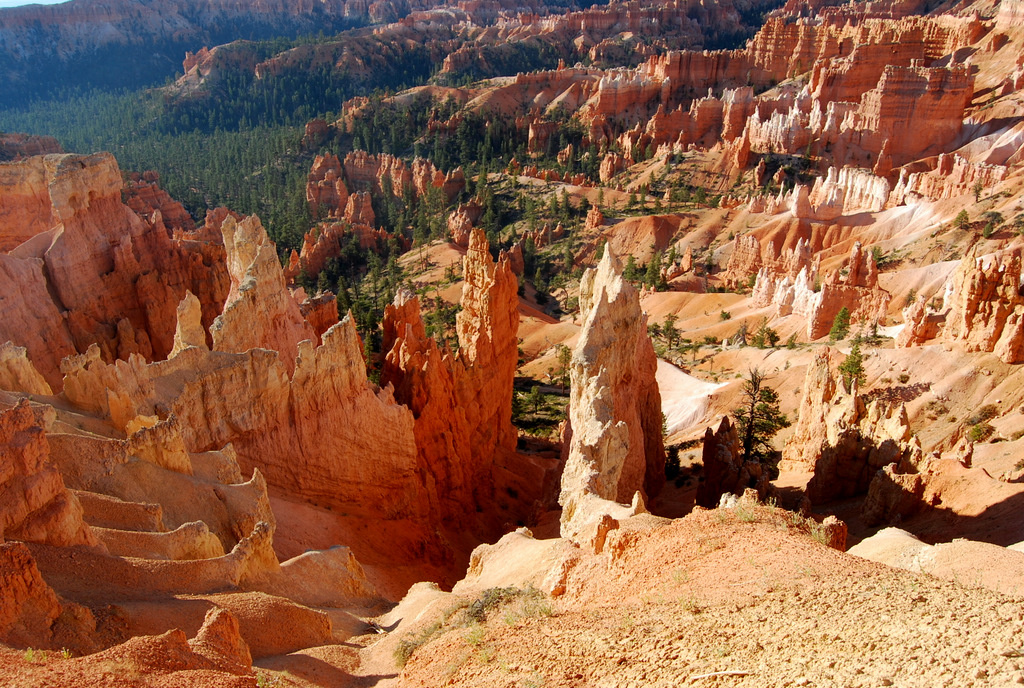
(962, 220)
(410, 643)
(980, 432)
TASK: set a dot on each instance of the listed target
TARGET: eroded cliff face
(844, 440)
(36, 507)
(462, 402)
(791, 284)
(615, 451)
(320, 412)
(259, 311)
(980, 308)
(986, 309)
(92, 271)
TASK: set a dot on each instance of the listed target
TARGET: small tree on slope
(758, 419)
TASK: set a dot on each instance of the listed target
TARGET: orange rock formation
(97, 273)
(36, 507)
(462, 402)
(843, 440)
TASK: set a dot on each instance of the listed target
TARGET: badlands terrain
(479, 420)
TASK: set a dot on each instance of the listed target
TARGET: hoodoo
(381, 352)
(615, 453)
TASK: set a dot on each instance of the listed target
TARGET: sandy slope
(737, 591)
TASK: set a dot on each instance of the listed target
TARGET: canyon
(499, 387)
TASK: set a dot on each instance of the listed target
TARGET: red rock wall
(34, 504)
(462, 402)
(110, 277)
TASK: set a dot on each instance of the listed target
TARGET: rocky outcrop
(385, 173)
(900, 491)
(25, 208)
(326, 192)
(893, 496)
(326, 418)
(594, 221)
(220, 640)
(462, 402)
(189, 330)
(359, 210)
(144, 196)
(744, 261)
(791, 284)
(920, 324)
(725, 471)
(916, 109)
(844, 440)
(34, 504)
(18, 146)
(611, 165)
(28, 607)
(98, 274)
(17, 374)
(952, 176)
(328, 239)
(259, 312)
(321, 312)
(847, 191)
(855, 287)
(986, 308)
(615, 454)
(461, 222)
(310, 433)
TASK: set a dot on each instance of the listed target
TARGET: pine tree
(669, 331)
(652, 276)
(852, 367)
(535, 398)
(962, 220)
(758, 420)
(563, 355)
(630, 272)
(841, 325)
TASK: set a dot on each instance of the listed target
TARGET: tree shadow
(892, 395)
